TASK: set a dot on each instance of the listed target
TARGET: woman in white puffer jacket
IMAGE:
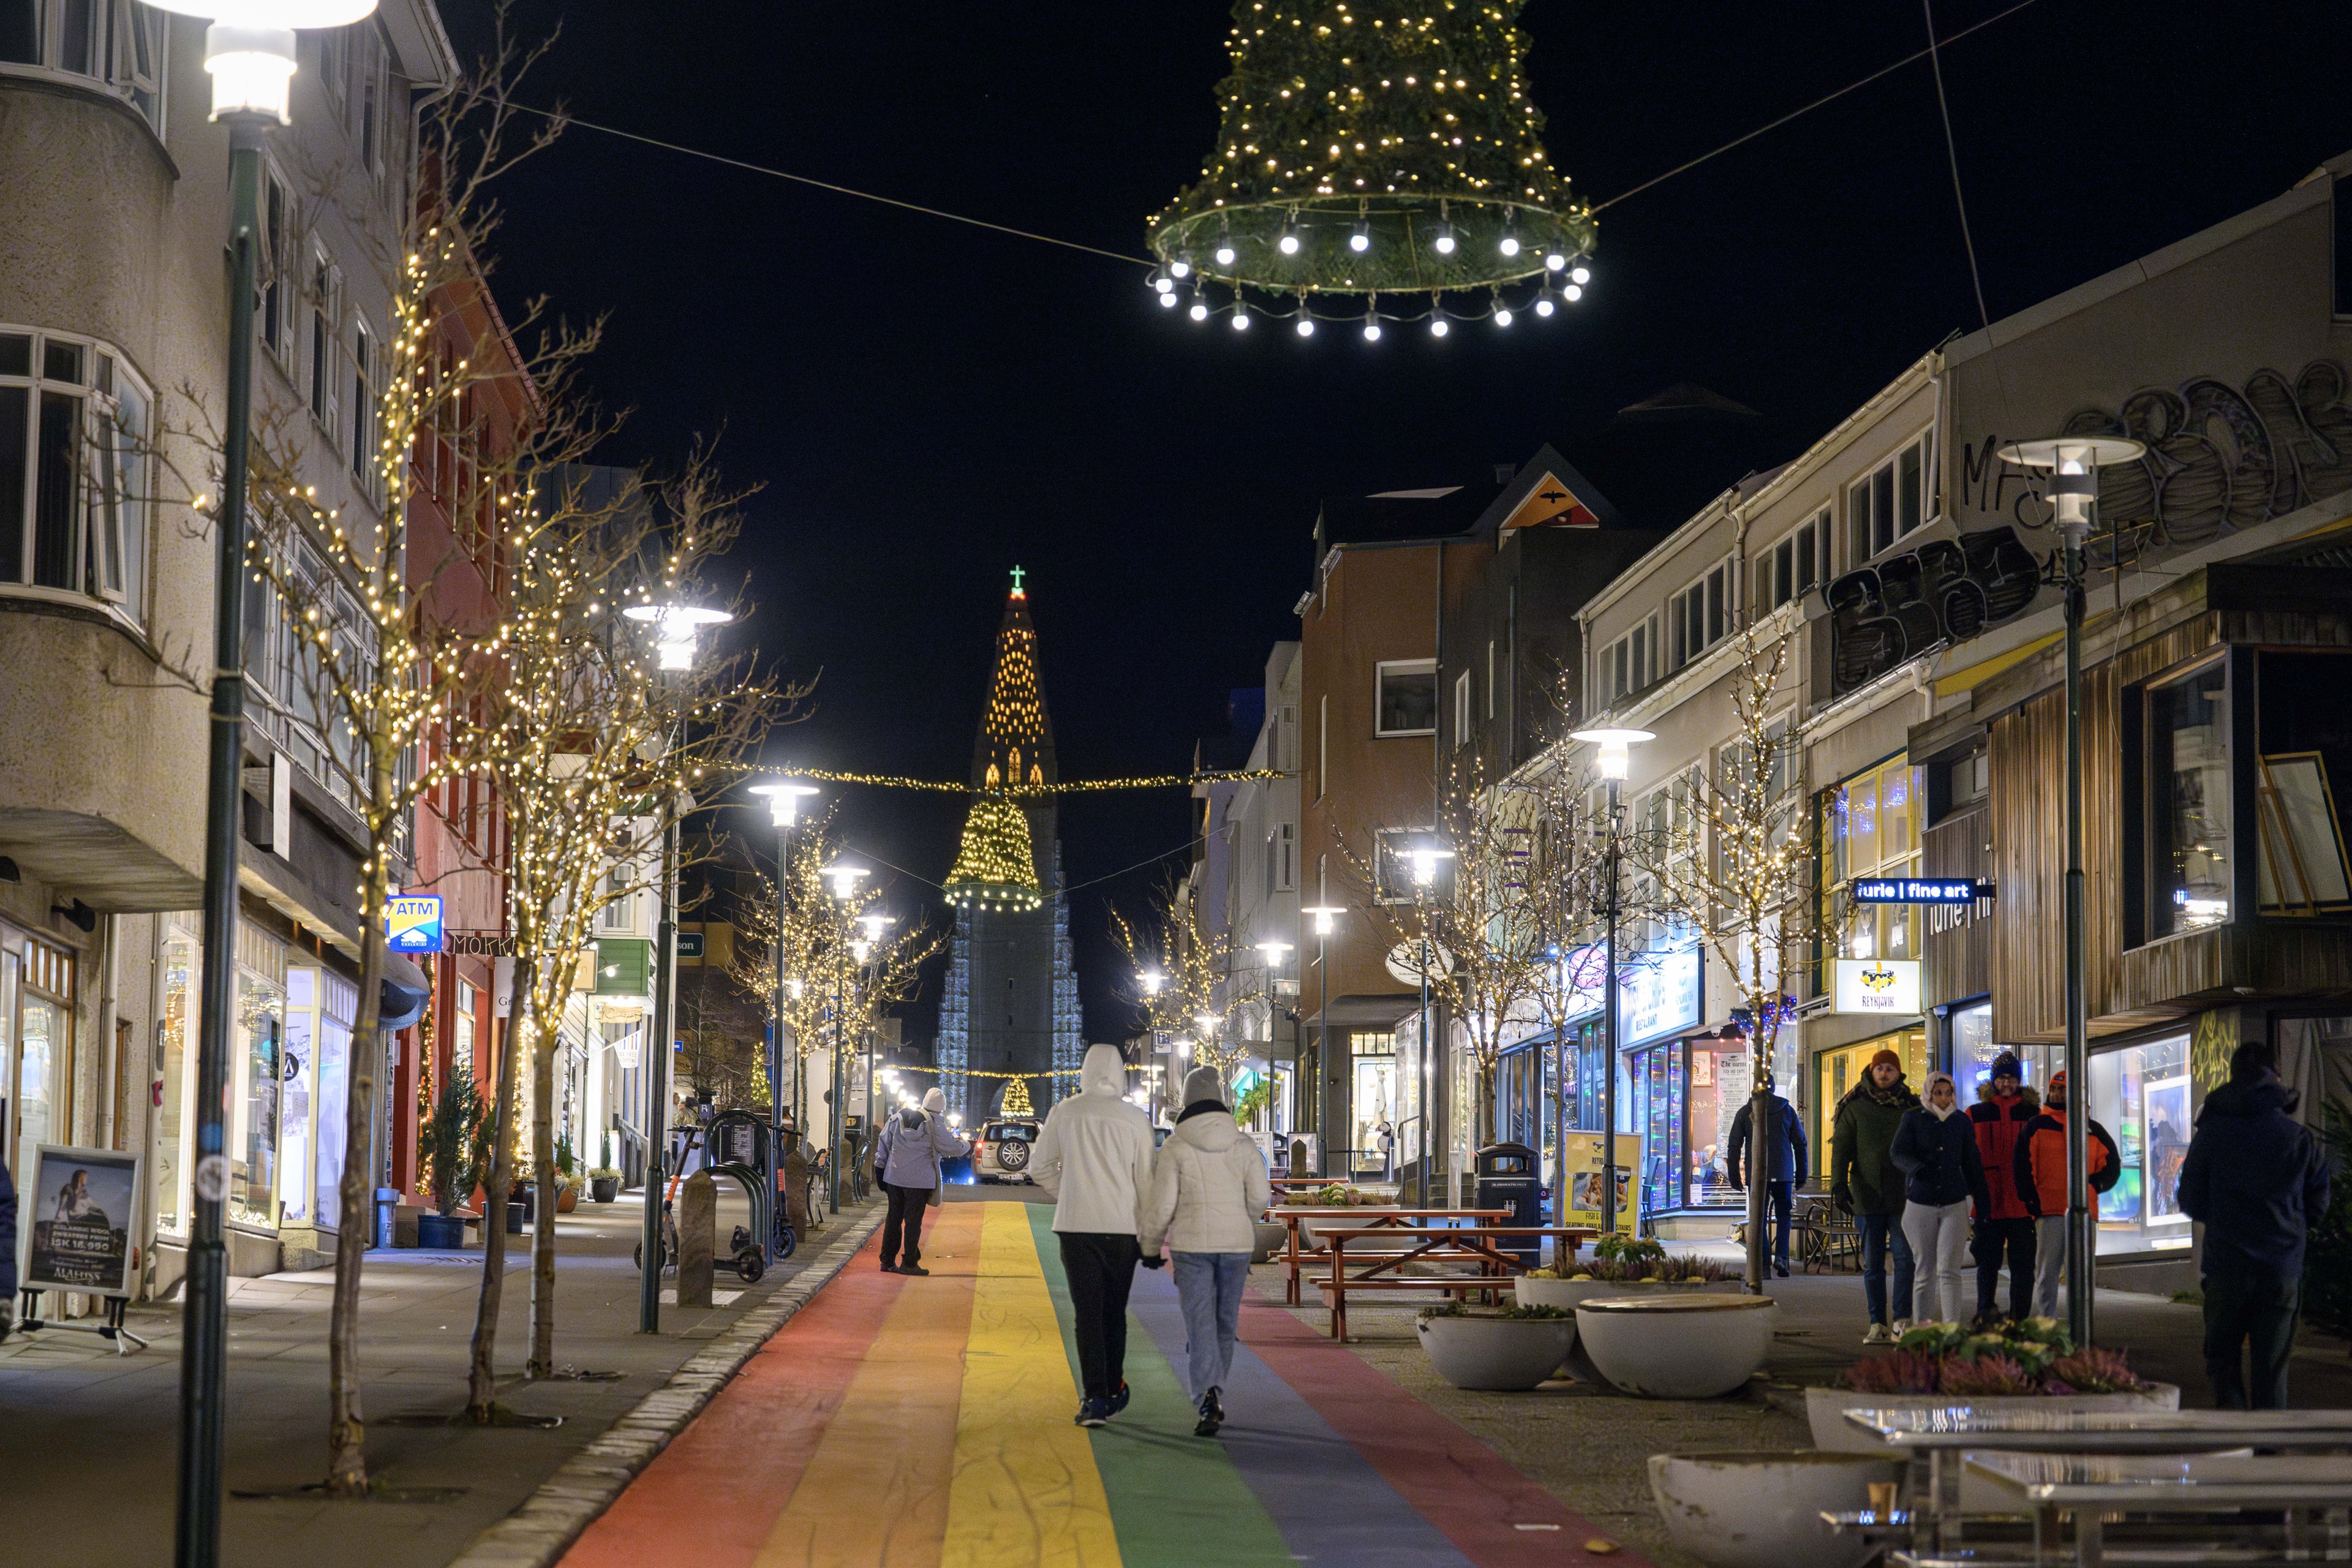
(1208, 1188)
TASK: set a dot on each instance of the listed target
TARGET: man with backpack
(2039, 1167)
(1784, 1163)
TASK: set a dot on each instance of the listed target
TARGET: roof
(1389, 517)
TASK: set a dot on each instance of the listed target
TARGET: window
(73, 468)
(1891, 502)
(113, 42)
(273, 309)
(619, 913)
(370, 101)
(335, 63)
(1793, 567)
(2189, 801)
(1393, 863)
(1698, 616)
(1407, 696)
(1490, 678)
(1462, 709)
(1282, 858)
(1870, 827)
(1628, 665)
(1322, 745)
(2140, 1095)
(325, 285)
(364, 411)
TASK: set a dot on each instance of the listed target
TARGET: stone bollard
(697, 1221)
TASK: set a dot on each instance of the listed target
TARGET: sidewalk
(88, 1439)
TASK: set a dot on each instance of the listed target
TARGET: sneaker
(1213, 1415)
(1902, 1325)
(1119, 1401)
(889, 1268)
(914, 1268)
(1780, 1271)
(1879, 1335)
(1093, 1412)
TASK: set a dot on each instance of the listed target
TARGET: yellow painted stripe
(1025, 1489)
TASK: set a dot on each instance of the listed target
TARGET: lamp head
(1152, 981)
(875, 925)
(1273, 952)
(1425, 858)
(677, 629)
(1616, 746)
(784, 800)
(249, 48)
(1326, 916)
(2073, 463)
(860, 949)
(844, 878)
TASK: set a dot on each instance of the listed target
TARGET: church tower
(1012, 999)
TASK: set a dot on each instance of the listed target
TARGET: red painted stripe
(722, 1482)
(1453, 1481)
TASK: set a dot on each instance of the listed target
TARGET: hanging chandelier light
(1375, 147)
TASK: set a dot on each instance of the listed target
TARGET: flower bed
(2029, 1364)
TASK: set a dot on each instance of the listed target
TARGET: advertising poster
(77, 1208)
(1583, 1152)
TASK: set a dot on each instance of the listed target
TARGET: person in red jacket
(2040, 1167)
(2004, 1105)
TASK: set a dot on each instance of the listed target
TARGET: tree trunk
(346, 1426)
(1759, 1126)
(542, 1240)
(481, 1383)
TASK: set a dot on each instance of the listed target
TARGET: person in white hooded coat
(1209, 1187)
(1092, 1158)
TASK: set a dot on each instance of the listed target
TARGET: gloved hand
(1155, 1261)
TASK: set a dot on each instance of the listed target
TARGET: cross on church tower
(1017, 575)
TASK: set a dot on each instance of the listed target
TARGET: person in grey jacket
(1208, 1188)
(913, 1143)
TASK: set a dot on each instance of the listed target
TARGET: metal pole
(1609, 1027)
(2079, 1263)
(840, 1047)
(204, 1335)
(657, 1066)
(776, 1042)
(1428, 1070)
(1323, 1047)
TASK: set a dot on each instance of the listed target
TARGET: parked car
(1001, 1152)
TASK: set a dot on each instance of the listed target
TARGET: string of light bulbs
(1067, 786)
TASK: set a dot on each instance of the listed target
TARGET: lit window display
(1375, 1097)
(2189, 801)
(1870, 827)
(2140, 1095)
(1835, 1072)
(338, 1002)
(297, 1076)
(255, 1099)
(176, 1050)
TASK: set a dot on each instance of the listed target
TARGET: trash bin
(1507, 1176)
(387, 1212)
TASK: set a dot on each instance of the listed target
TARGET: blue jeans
(1209, 1284)
(1878, 1231)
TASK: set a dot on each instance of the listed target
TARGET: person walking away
(1936, 1149)
(1208, 1188)
(1092, 1158)
(7, 1251)
(907, 1161)
(2256, 1178)
(1865, 1182)
(1784, 1163)
(2004, 1105)
(2039, 1168)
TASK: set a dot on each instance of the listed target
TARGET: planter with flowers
(1621, 1267)
(2029, 1364)
(1494, 1347)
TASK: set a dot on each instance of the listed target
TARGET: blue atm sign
(414, 922)
(1919, 890)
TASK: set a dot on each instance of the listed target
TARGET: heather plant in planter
(1494, 1347)
(2034, 1356)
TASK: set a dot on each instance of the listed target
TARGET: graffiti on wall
(2220, 458)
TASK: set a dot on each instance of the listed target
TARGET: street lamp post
(1425, 877)
(874, 925)
(1152, 980)
(1273, 953)
(2074, 464)
(783, 798)
(249, 54)
(1615, 763)
(1326, 917)
(676, 632)
(845, 879)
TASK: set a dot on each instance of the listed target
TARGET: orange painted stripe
(720, 1482)
(876, 1491)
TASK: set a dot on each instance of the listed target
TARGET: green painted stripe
(1176, 1500)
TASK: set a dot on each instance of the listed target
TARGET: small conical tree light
(1375, 145)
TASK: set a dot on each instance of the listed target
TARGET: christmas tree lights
(994, 867)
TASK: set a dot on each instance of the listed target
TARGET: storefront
(2140, 1094)
(36, 1044)
(1685, 1093)
(1837, 1070)
(1372, 1056)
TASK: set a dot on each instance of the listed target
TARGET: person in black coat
(1936, 1150)
(2255, 1177)
(1784, 1163)
(7, 1251)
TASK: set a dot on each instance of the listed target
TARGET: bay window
(2189, 801)
(117, 43)
(74, 432)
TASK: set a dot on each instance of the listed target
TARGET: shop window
(1870, 827)
(2303, 735)
(73, 486)
(176, 1061)
(1722, 1077)
(1658, 1112)
(2140, 1095)
(255, 1101)
(339, 1003)
(1836, 1072)
(2187, 814)
(1407, 696)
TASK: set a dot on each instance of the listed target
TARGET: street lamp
(1425, 858)
(1615, 763)
(783, 797)
(1326, 917)
(845, 879)
(1271, 952)
(678, 630)
(2073, 463)
(249, 54)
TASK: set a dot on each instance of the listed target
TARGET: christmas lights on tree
(1372, 147)
(994, 867)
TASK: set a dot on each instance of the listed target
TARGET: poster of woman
(79, 1202)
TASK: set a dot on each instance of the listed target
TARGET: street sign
(1920, 890)
(689, 944)
(413, 921)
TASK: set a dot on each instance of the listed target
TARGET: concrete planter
(1676, 1346)
(1825, 1409)
(1273, 1239)
(603, 1189)
(1496, 1352)
(1764, 1510)
(1569, 1294)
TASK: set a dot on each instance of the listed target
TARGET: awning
(404, 993)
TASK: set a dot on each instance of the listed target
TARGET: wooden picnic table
(1442, 1244)
(1392, 1217)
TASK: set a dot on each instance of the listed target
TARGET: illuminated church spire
(997, 863)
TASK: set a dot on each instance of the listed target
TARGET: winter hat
(935, 1102)
(2058, 1084)
(1928, 1096)
(1887, 1058)
(2005, 1065)
(1203, 1083)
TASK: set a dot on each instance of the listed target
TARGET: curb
(545, 1524)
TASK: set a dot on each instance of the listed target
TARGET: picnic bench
(1294, 1254)
(1476, 1245)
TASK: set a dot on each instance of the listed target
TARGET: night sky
(927, 404)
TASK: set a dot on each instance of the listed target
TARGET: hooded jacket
(913, 1143)
(1209, 1187)
(1784, 1147)
(8, 1236)
(1093, 1156)
(1937, 1155)
(2039, 1165)
(2256, 1176)
(1863, 1175)
(1997, 1123)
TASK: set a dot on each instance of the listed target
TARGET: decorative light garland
(1066, 787)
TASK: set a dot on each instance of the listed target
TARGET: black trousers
(2258, 1315)
(907, 1206)
(1986, 1245)
(1101, 1268)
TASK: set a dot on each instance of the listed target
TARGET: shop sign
(79, 1209)
(628, 1048)
(1658, 994)
(1882, 987)
(414, 922)
(1920, 890)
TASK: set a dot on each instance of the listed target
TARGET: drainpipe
(110, 1057)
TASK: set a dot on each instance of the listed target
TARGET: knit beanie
(1203, 1083)
(935, 1101)
(1887, 1058)
(2005, 1065)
